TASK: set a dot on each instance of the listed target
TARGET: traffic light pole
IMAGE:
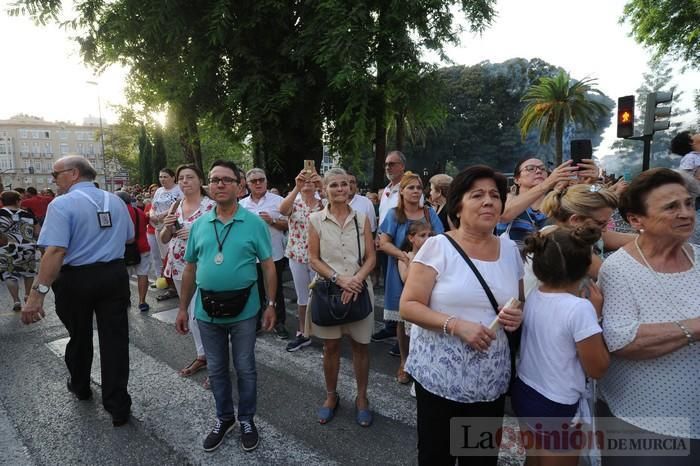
(646, 155)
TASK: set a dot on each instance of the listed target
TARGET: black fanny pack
(225, 303)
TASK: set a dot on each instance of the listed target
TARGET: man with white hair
(267, 206)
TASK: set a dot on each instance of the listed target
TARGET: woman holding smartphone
(177, 224)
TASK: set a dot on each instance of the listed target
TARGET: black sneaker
(394, 351)
(298, 343)
(383, 334)
(281, 332)
(249, 436)
(217, 434)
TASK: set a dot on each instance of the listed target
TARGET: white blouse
(445, 365)
(650, 393)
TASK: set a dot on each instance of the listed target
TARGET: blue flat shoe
(363, 417)
(325, 415)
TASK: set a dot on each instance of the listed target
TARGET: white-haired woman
(335, 233)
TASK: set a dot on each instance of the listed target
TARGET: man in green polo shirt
(223, 248)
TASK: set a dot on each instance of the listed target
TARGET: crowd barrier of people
(566, 298)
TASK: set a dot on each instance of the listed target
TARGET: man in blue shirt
(223, 248)
(85, 231)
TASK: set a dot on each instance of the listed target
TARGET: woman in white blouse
(652, 319)
(460, 366)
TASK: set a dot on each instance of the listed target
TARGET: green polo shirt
(246, 243)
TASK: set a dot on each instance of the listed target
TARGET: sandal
(402, 376)
(206, 384)
(325, 415)
(194, 367)
(363, 417)
(169, 294)
(17, 307)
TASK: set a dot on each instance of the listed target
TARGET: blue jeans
(215, 338)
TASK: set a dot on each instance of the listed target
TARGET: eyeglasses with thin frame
(534, 168)
(391, 164)
(256, 180)
(55, 174)
(226, 180)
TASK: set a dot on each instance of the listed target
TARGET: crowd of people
(573, 295)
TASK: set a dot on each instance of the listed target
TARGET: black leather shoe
(120, 421)
(80, 396)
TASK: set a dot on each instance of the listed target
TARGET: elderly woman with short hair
(461, 366)
(439, 187)
(652, 319)
(335, 234)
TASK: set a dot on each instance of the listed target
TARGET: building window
(63, 135)
(35, 148)
(64, 149)
(48, 150)
(23, 134)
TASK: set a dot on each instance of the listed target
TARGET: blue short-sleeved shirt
(71, 222)
(392, 282)
(247, 242)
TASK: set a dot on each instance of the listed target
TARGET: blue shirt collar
(82, 185)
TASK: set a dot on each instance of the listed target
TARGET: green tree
(160, 158)
(145, 158)
(669, 27)
(556, 102)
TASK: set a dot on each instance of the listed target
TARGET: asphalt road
(42, 423)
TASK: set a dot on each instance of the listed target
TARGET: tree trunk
(400, 130)
(194, 142)
(559, 148)
(378, 180)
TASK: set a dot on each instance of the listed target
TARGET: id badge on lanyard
(104, 217)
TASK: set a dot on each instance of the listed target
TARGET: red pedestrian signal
(625, 116)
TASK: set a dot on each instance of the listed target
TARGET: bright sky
(44, 75)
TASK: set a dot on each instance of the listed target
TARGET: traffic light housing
(625, 116)
(654, 113)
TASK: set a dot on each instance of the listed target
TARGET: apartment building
(29, 146)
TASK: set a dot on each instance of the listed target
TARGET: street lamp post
(102, 133)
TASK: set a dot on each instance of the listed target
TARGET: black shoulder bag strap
(471, 265)
(359, 250)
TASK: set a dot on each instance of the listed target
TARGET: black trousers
(433, 422)
(102, 289)
(281, 309)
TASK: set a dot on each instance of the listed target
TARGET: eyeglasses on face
(391, 164)
(226, 180)
(534, 168)
(256, 180)
(55, 174)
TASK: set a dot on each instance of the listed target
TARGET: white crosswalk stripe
(180, 412)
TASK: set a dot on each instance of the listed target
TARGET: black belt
(94, 265)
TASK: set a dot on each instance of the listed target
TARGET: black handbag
(132, 256)
(224, 303)
(513, 337)
(327, 308)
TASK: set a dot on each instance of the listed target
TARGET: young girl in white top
(561, 344)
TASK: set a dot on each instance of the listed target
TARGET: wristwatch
(334, 277)
(41, 289)
(271, 304)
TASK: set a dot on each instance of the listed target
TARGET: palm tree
(554, 102)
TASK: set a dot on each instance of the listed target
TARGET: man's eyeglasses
(226, 180)
(256, 180)
(390, 164)
(55, 174)
(534, 168)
